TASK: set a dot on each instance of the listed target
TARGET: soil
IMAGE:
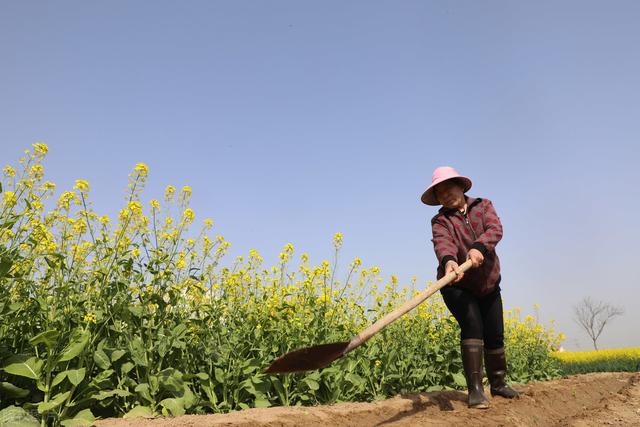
(579, 401)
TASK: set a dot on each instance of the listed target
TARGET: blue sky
(293, 120)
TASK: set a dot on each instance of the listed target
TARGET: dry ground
(578, 401)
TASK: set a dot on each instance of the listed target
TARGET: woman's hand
(476, 257)
(453, 266)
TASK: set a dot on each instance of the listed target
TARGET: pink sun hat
(441, 174)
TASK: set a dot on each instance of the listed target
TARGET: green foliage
(139, 320)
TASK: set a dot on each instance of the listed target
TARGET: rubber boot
(472, 364)
(496, 364)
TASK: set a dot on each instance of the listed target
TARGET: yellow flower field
(139, 315)
(613, 360)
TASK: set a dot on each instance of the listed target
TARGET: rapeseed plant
(138, 316)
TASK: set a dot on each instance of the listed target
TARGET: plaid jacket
(454, 234)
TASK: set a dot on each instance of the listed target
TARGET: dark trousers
(479, 318)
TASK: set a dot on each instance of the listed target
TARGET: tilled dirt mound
(580, 400)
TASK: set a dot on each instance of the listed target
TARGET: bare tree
(594, 316)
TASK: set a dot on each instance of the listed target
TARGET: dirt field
(581, 400)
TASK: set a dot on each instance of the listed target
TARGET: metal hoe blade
(309, 358)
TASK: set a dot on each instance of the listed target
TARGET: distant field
(613, 360)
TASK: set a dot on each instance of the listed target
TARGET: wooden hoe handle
(363, 336)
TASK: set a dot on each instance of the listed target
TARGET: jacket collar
(471, 202)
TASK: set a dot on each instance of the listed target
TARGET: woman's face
(449, 193)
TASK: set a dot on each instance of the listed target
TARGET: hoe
(319, 356)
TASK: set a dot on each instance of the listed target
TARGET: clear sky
(292, 120)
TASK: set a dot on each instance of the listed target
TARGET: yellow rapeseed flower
(142, 169)
(208, 223)
(79, 227)
(186, 191)
(9, 171)
(188, 215)
(254, 255)
(337, 240)
(9, 199)
(48, 185)
(65, 199)
(155, 204)
(41, 148)
(82, 186)
(124, 214)
(135, 207)
(37, 171)
(169, 191)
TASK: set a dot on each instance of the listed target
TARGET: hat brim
(429, 196)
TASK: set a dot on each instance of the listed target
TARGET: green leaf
(77, 343)
(48, 338)
(136, 311)
(18, 417)
(126, 368)
(202, 376)
(219, 374)
(102, 376)
(138, 352)
(354, 379)
(313, 384)
(10, 222)
(51, 263)
(172, 406)
(5, 266)
(179, 330)
(171, 380)
(53, 403)
(277, 384)
(10, 390)
(188, 397)
(117, 354)
(24, 366)
(261, 403)
(58, 379)
(211, 394)
(76, 375)
(82, 419)
(104, 394)
(143, 391)
(459, 379)
(138, 412)
(101, 359)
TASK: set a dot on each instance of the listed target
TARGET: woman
(469, 228)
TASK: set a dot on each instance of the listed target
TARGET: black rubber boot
(472, 363)
(496, 364)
